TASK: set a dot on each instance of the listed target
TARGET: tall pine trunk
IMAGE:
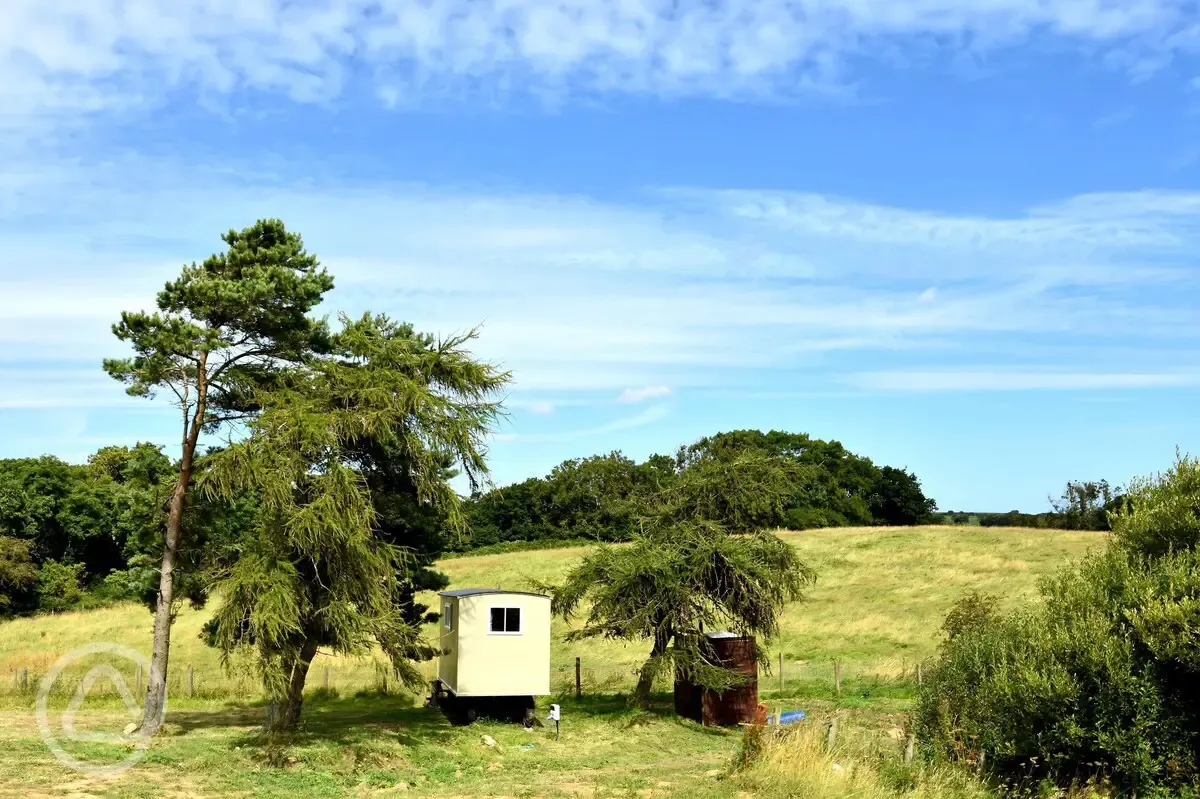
(283, 714)
(156, 683)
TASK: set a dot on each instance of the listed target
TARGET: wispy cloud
(635, 395)
(652, 414)
(1016, 380)
(67, 60)
(687, 289)
(49, 386)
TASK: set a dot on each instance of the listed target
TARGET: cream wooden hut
(494, 643)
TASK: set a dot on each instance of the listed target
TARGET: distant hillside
(880, 596)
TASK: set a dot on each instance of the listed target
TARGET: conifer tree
(223, 329)
(323, 568)
(703, 560)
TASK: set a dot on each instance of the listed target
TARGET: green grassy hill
(877, 605)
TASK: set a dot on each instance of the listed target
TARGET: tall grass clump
(1096, 683)
(797, 762)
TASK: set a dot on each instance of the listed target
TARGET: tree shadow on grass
(336, 719)
(369, 717)
(619, 709)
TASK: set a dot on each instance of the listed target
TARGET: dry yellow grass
(796, 762)
(877, 605)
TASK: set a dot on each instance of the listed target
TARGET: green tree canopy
(702, 560)
(17, 573)
(223, 330)
(323, 566)
(1098, 679)
(597, 497)
(896, 498)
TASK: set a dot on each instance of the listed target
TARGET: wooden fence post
(14, 671)
(578, 681)
(781, 672)
(24, 679)
(191, 681)
(837, 677)
(831, 739)
(918, 672)
(910, 749)
(903, 667)
(326, 677)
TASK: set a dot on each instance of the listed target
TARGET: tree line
(75, 535)
(78, 535)
(1083, 505)
(598, 497)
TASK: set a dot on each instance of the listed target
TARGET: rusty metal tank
(735, 706)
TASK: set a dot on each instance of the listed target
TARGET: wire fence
(786, 678)
(578, 676)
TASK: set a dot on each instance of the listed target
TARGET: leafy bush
(59, 585)
(1162, 514)
(17, 573)
(972, 612)
(1095, 681)
(118, 586)
(813, 519)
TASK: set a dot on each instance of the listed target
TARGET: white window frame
(520, 620)
(448, 616)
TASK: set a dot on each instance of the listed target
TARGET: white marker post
(554, 716)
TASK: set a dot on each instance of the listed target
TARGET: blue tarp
(788, 718)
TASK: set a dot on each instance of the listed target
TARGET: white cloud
(37, 386)
(928, 295)
(62, 59)
(635, 395)
(540, 408)
(652, 414)
(1086, 220)
(1015, 380)
(584, 300)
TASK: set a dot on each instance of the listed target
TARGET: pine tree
(222, 330)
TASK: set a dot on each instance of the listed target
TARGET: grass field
(876, 608)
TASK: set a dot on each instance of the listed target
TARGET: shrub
(117, 587)
(807, 518)
(974, 611)
(1097, 680)
(1161, 515)
(17, 573)
(58, 585)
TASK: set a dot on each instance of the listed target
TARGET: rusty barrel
(735, 706)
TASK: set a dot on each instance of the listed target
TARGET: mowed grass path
(877, 606)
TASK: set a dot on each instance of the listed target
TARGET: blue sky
(958, 235)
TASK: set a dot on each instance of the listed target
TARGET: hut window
(448, 616)
(506, 620)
